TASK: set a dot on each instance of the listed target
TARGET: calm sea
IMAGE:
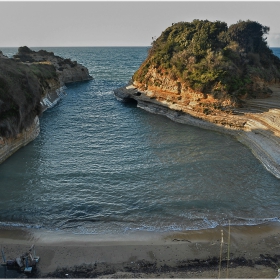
(100, 166)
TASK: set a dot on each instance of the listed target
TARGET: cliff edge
(67, 70)
(30, 82)
(217, 77)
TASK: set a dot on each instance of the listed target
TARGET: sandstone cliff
(30, 83)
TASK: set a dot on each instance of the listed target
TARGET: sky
(116, 23)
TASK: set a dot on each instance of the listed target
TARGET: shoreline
(260, 139)
(254, 251)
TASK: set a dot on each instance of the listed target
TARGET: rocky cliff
(30, 83)
(67, 70)
(209, 66)
(206, 74)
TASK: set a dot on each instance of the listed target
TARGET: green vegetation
(43, 71)
(21, 88)
(213, 58)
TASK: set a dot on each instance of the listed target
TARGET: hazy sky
(119, 23)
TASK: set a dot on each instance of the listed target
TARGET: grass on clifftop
(212, 58)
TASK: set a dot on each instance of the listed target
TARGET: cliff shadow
(130, 103)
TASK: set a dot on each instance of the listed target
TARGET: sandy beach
(253, 251)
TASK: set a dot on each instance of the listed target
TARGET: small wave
(238, 221)
(19, 225)
(104, 228)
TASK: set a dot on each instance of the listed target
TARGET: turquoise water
(100, 166)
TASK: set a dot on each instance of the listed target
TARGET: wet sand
(254, 253)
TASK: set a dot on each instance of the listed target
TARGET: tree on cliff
(249, 35)
(212, 58)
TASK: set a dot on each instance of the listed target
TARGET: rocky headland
(30, 83)
(216, 77)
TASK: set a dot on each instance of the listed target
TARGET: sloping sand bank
(254, 252)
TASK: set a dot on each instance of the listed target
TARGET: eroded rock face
(76, 73)
(8, 146)
(155, 102)
(172, 91)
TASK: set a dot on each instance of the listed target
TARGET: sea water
(100, 166)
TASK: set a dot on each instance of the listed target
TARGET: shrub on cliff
(21, 88)
(212, 58)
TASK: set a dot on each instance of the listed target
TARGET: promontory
(31, 82)
(218, 77)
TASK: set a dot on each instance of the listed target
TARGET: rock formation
(30, 83)
(68, 71)
(10, 145)
(225, 79)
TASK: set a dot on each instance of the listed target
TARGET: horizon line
(72, 46)
(127, 46)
